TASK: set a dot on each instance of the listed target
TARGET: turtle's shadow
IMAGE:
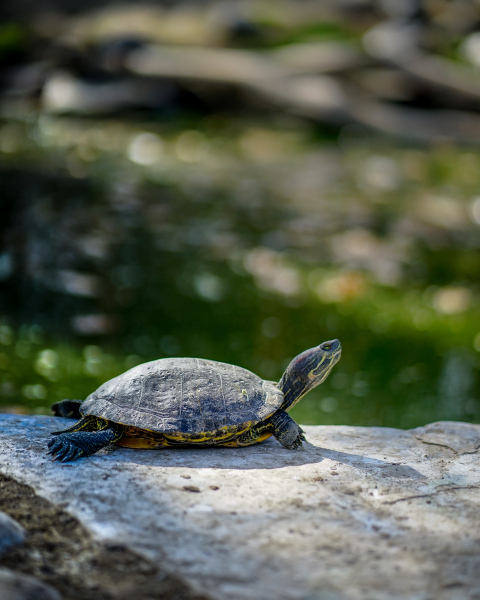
(268, 455)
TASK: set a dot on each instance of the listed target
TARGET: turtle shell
(186, 396)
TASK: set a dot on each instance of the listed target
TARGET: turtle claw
(297, 444)
(72, 454)
(54, 445)
(72, 445)
(63, 449)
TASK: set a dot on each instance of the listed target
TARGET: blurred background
(240, 181)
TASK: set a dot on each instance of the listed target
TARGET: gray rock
(11, 533)
(14, 586)
(360, 513)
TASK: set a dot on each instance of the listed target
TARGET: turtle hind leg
(88, 423)
(70, 446)
(67, 408)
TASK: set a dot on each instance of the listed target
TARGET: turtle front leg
(280, 425)
(287, 432)
(70, 446)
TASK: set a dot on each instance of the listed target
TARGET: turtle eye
(327, 346)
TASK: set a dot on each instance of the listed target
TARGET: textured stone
(11, 533)
(360, 513)
(14, 586)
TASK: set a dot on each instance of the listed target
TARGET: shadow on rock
(268, 455)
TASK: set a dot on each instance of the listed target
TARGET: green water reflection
(243, 242)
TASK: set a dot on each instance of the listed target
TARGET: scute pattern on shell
(187, 395)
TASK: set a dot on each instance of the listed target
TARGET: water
(245, 242)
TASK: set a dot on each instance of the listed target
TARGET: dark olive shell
(185, 396)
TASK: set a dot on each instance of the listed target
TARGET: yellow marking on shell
(138, 442)
(145, 438)
(235, 444)
(135, 437)
(143, 442)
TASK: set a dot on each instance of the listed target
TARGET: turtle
(191, 402)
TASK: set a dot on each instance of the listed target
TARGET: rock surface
(11, 533)
(14, 586)
(360, 513)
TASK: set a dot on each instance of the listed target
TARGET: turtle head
(307, 370)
